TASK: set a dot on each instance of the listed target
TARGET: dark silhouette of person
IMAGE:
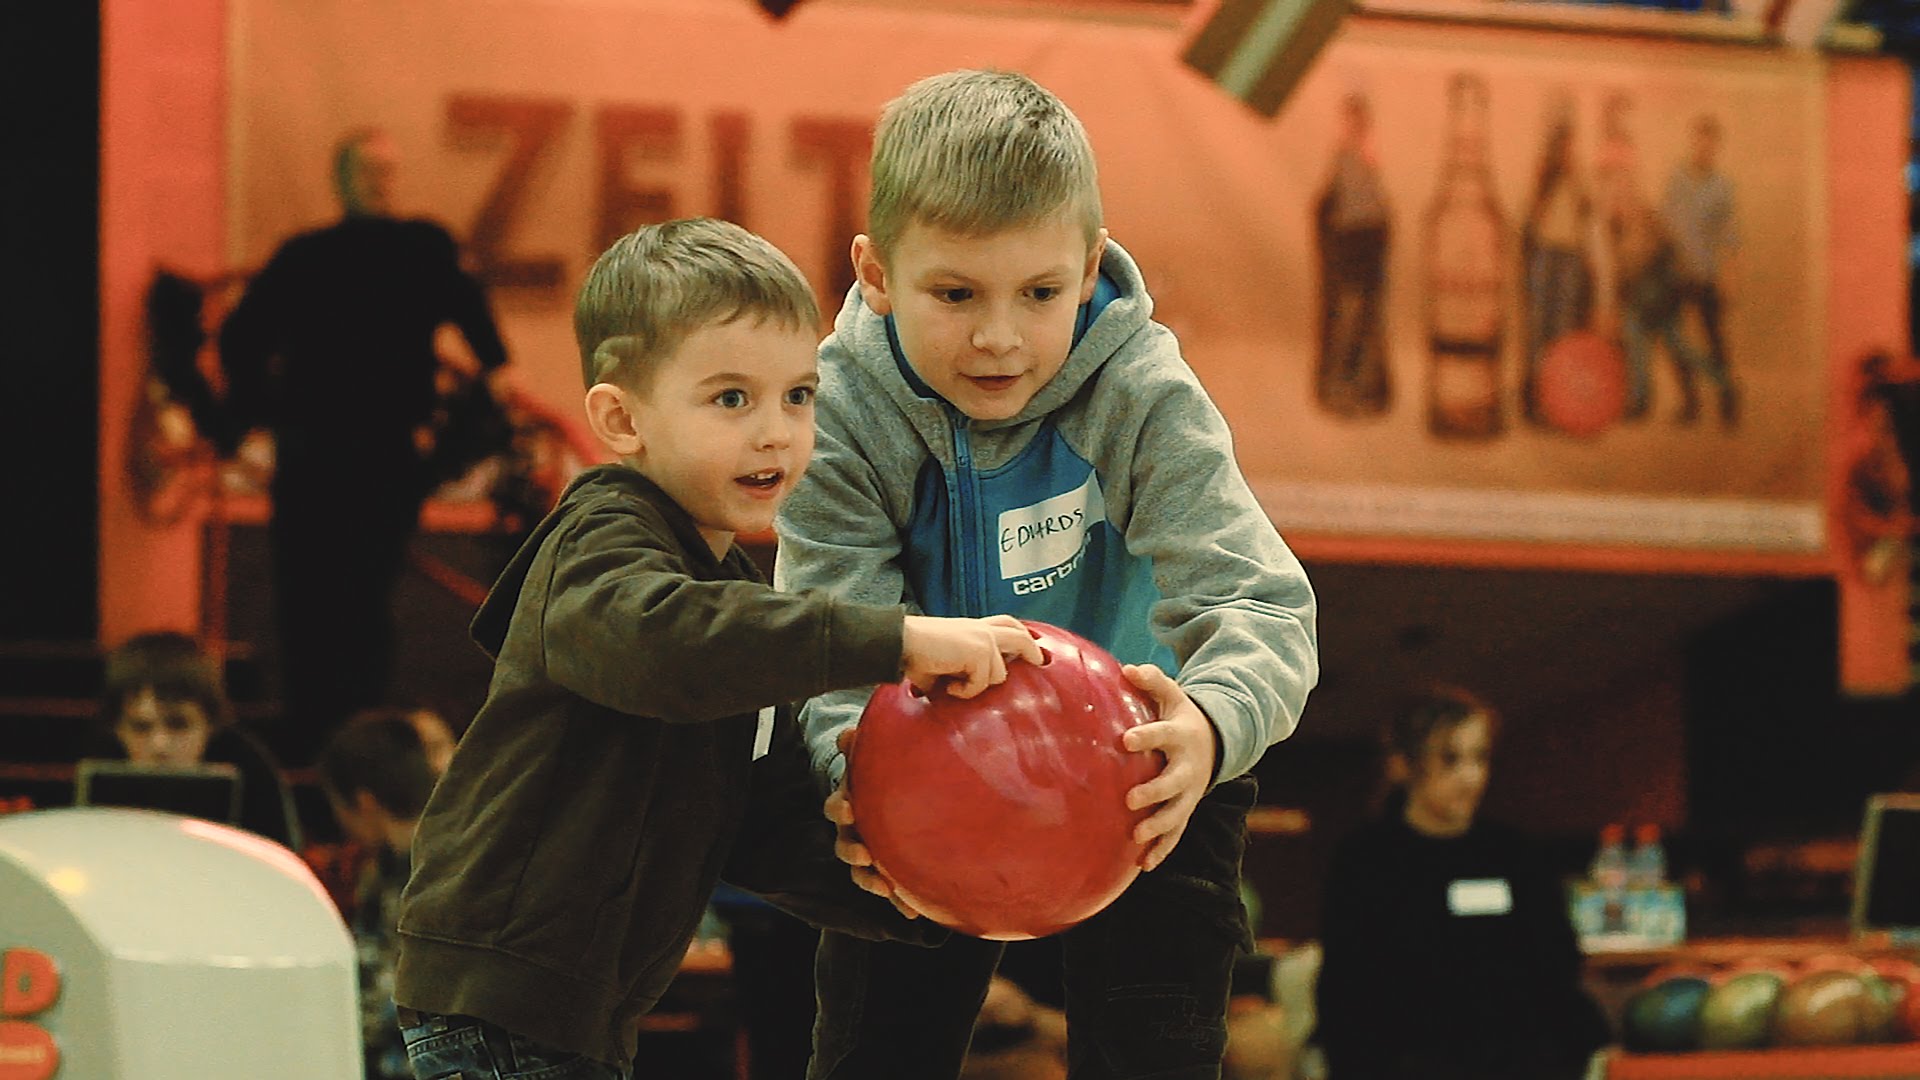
(331, 347)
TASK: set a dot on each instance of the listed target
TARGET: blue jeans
(463, 1048)
(1147, 979)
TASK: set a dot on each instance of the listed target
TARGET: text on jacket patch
(1043, 542)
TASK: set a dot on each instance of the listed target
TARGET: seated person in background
(1016, 1037)
(377, 775)
(1448, 949)
(164, 703)
(1259, 1044)
(436, 736)
(342, 863)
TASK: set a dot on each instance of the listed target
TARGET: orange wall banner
(1473, 283)
(163, 110)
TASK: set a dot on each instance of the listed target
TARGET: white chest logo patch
(1049, 532)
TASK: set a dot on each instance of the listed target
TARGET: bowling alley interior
(1542, 382)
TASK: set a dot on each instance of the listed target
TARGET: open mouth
(993, 382)
(764, 480)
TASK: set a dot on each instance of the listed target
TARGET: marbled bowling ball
(1004, 815)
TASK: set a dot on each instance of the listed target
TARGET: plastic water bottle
(1655, 909)
(1647, 866)
(1609, 875)
(1609, 871)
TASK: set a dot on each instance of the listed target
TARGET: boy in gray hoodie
(1003, 427)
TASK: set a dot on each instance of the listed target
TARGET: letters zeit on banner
(535, 128)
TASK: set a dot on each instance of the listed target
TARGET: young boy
(1004, 428)
(628, 757)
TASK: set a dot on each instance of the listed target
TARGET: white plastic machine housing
(186, 950)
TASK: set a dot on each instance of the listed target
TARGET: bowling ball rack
(1802, 1063)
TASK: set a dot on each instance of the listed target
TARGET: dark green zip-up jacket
(610, 780)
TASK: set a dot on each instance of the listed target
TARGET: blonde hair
(657, 285)
(975, 152)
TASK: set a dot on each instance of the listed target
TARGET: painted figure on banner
(1465, 258)
(1700, 216)
(1553, 238)
(1628, 226)
(1639, 303)
(1352, 227)
(1650, 316)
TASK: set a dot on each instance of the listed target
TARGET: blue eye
(731, 399)
(954, 296)
(800, 395)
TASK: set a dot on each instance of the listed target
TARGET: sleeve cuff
(1234, 751)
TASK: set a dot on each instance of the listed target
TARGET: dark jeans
(463, 1048)
(1705, 298)
(1147, 979)
(773, 987)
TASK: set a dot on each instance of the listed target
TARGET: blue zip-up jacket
(1111, 506)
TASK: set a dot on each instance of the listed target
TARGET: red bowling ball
(1004, 815)
(1582, 386)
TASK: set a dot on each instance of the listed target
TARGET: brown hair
(1435, 709)
(379, 751)
(170, 664)
(655, 286)
(974, 152)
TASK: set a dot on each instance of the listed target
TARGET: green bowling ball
(1738, 1012)
(1665, 1017)
(1886, 1000)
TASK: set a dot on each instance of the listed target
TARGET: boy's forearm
(1247, 640)
(1253, 695)
(625, 626)
(822, 719)
(1236, 607)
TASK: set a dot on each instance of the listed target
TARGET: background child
(1004, 428)
(1421, 979)
(628, 756)
(377, 772)
(163, 702)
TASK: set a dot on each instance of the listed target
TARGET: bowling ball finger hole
(1046, 657)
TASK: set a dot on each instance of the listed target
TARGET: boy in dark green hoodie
(635, 748)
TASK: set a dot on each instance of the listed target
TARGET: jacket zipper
(967, 507)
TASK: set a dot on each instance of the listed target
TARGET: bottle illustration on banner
(1351, 232)
(1465, 257)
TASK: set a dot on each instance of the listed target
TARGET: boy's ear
(1399, 769)
(367, 806)
(1091, 276)
(610, 417)
(871, 273)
